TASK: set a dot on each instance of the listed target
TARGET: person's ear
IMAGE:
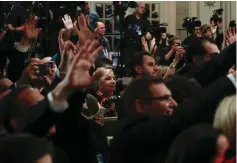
(139, 108)
(138, 69)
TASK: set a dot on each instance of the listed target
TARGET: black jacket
(79, 137)
(218, 66)
(146, 140)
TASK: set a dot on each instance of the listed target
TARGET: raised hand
(83, 32)
(213, 29)
(67, 52)
(144, 44)
(67, 21)
(230, 37)
(179, 53)
(78, 74)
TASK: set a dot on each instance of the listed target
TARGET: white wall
(233, 10)
(206, 12)
(182, 11)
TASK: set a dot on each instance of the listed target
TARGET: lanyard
(7, 15)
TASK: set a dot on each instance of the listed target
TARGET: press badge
(139, 32)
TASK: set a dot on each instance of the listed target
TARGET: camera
(112, 99)
(121, 6)
(232, 24)
(50, 13)
(190, 23)
(217, 15)
(156, 29)
(43, 68)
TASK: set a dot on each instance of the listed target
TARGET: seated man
(143, 64)
(143, 136)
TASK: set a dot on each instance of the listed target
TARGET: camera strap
(6, 15)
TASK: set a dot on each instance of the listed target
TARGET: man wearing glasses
(147, 96)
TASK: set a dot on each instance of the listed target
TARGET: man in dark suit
(200, 49)
(142, 138)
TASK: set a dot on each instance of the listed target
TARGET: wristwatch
(173, 65)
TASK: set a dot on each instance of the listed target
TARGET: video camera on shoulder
(190, 23)
(232, 24)
(157, 29)
(217, 16)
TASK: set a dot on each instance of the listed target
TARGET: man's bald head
(140, 8)
(4, 82)
(101, 28)
(17, 102)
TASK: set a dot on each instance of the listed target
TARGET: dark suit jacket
(146, 140)
(218, 66)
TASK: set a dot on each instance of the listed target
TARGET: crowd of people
(176, 105)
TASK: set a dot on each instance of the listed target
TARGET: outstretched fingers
(71, 46)
(60, 35)
(94, 55)
(83, 20)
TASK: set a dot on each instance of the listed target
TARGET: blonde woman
(105, 89)
(225, 120)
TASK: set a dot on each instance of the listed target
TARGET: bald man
(134, 27)
(102, 39)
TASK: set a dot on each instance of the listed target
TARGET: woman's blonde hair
(225, 117)
(105, 70)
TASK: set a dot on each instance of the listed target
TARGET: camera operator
(217, 31)
(134, 25)
(162, 44)
(195, 29)
(11, 13)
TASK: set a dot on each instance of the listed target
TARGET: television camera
(190, 23)
(217, 15)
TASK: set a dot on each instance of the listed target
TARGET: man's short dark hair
(137, 60)
(102, 62)
(138, 89)
(197, 48)
(23, 148)
(182, 88)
